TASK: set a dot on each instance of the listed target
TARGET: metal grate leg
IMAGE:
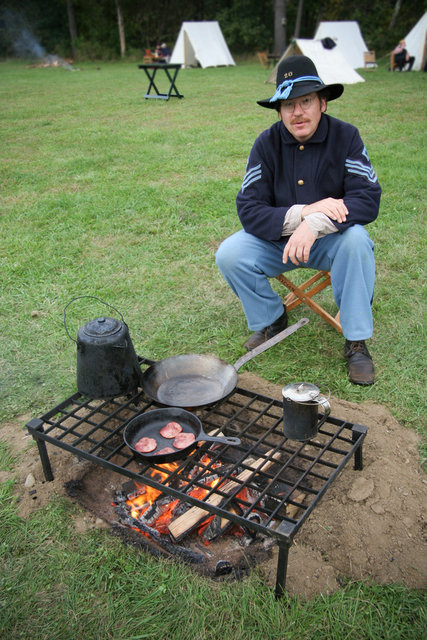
(37, 425)
(282, 568)
(358, 431)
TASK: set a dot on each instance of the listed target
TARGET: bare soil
(369, 526)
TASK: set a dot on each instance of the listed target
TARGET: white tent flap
(416, 42)
(331, 65)
(348, 39)
(201, 43)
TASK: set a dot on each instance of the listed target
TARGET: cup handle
(325, 404)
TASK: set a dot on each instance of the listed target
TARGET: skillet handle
(269, 343)
(223, 439)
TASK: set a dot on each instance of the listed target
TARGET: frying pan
(148, 425)
(193, 380)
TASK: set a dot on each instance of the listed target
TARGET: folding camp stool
(304, 292)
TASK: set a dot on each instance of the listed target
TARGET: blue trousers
(247, 263)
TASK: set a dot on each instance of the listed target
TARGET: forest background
(110, 29)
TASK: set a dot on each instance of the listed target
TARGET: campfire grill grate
(287, 489)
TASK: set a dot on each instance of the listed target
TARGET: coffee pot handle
(94, 298)
(325, 404)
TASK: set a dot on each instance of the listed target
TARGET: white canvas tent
(416, 42)
(201, 43)
(331, 65)
(348, 39)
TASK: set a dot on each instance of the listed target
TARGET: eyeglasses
(305, 103)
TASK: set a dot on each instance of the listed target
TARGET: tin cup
(301, 402)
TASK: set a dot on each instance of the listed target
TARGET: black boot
(273, 329)
(360, 365)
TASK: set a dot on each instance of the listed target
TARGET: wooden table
(171, 71)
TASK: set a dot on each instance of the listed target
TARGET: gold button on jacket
(300, 182)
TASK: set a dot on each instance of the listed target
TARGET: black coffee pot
(107, 364)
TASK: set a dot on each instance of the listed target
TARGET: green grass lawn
(110, 195)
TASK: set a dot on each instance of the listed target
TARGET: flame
(165, 518)
(243, 495)
(145, 496)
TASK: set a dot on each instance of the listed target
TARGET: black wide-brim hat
(297, 76)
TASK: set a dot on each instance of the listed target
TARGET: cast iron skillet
(193, 380)
(148, 425)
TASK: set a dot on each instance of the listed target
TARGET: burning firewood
(292, 509)
(183, 525)
(163, 541)
(217, 526)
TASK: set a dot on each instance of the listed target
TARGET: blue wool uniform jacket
(282, 172)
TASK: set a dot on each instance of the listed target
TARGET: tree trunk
(121, 29)
(298, 20)
(279, 7)
(395, 14)
(72, 27)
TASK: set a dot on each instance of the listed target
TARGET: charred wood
(172, 548)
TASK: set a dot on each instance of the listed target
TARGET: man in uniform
(308, 191)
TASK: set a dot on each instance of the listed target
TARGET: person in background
(158, 56)
(402, 57)
(308, 191)
(165, 51)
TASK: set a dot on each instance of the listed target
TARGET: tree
(72, 27)
(279, 26)
(298, 20)
(121, 29)
(395, 14)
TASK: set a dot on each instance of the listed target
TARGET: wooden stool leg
(303, 293)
